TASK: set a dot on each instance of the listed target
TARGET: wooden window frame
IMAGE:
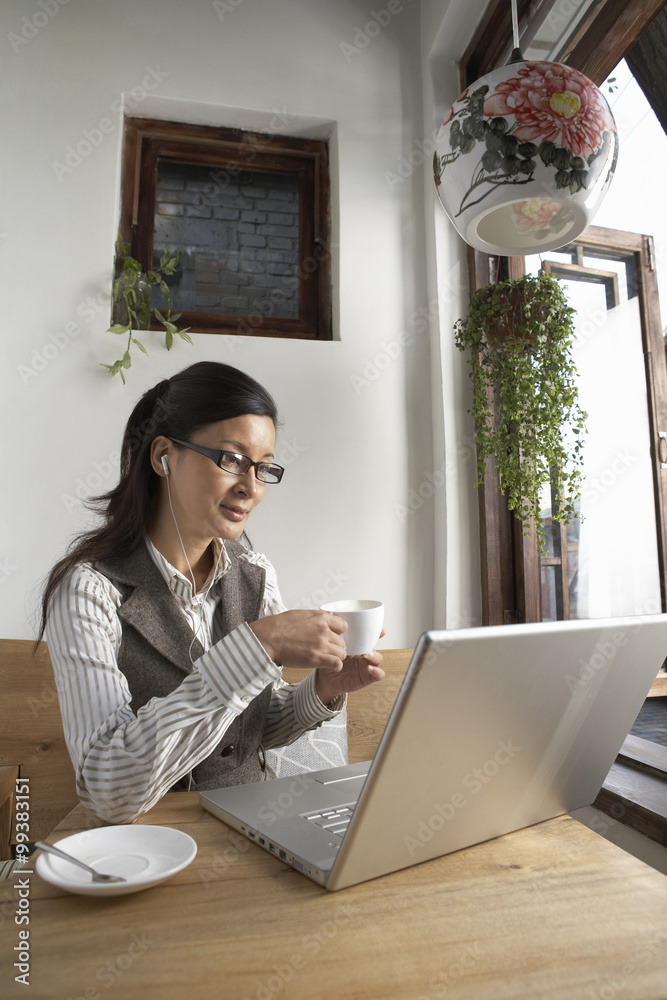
(606, 34)
(634, 791)
(233, 151)
(509, 592)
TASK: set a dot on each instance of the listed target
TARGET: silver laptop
(494, 729)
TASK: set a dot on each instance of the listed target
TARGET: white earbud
(165, 465)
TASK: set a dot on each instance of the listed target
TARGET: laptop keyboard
(334, 821)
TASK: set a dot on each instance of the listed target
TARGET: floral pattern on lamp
(524, 158)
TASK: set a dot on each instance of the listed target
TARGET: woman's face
(208, 501)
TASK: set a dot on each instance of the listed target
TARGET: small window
(247, 213)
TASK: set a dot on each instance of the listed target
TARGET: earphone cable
(204, 597)
(202, 600)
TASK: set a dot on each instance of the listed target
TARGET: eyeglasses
(238, 465)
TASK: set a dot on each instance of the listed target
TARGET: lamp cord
(515, 24)
(195, 599)
(516, 55)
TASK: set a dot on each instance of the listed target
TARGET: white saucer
(144, 855)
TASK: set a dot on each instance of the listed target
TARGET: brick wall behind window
(237, 232)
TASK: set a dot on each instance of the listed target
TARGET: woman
(166, 631)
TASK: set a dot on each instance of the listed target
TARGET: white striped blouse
(125, 762)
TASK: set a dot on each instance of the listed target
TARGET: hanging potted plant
(520, 334)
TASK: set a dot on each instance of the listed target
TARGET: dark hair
(177, 407)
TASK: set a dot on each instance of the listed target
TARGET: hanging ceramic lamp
(525, 156)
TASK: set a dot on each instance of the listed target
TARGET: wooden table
(550, 912)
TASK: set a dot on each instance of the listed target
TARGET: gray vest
(155, 655)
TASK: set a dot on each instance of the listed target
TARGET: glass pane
(552, 564)
(612, 552)
(553, 25)
(626, 283)
(551, 528)
(549, 585)
(237, 235)
(562, 256)
(632, 202)
(573, 544)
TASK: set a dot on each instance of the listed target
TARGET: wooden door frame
(510, 586)
(510, 563)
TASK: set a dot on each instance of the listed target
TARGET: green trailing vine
(525, 400)
(131, 304)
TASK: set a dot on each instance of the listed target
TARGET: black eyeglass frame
(216, 456)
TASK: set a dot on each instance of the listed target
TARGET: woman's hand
(303, 639)
(356, 672)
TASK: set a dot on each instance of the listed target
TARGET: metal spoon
(97, 876)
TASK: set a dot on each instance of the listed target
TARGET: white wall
(446, 33)
(360, 412)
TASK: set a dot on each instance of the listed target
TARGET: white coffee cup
(364, 623)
